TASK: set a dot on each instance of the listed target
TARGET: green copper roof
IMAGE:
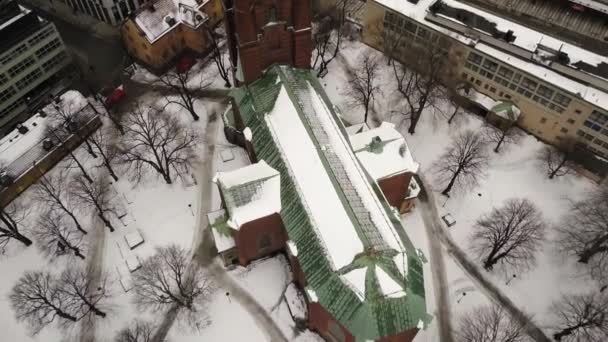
(375, 315)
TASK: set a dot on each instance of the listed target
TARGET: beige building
(539, 73)
(162, 30)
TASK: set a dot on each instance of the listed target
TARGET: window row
(11, 55)
(54, 61)
(11, 107)
(47, 48)
(3, 79)
(525, 86)
(598, 118)
(29, 78)
(7, 93)
(41, 35)
(19, 67)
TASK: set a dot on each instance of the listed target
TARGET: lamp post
(461, 297)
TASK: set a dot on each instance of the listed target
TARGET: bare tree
(11, 218)
(93, 196)
(584, 232)
(54, 236)
(323, 33)
(137, 331)
(177, 82)
(501, 135)
(218, 56)
(89, 297)
(490, 324)
(464, 162)
(37, 301)
(364, 86)
(168, 280)
(104, 141)
(51, 192)
(582, 317)
(510, 235)
(554, 159)
(419, 84)
(157, 141)
(60, 137)
(69, 119)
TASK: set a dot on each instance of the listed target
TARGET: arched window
(264, 242)
(335, 332)
(272, 14)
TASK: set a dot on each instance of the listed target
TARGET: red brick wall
(248, 236)
(395, 188)
(318, 321)
(260, 45)
(298, 274)
(406, 336)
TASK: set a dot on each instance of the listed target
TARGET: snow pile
(247, 133)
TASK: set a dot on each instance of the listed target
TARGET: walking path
(440, 284)
(430, 213)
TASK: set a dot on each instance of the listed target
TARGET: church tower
(265, 32)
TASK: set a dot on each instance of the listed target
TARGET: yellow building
(162, 30)
(542, 75)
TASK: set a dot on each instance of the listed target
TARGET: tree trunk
(366, 113)
(78, 253)
(598, 246)
(567, 331)
(84, 172)
(106, 222)
(90, 148)
(447, 190)
(78, 226)
(453, 116)
(65, 315)
(502, 138)
(23, 239)
(554, 172)
(414, 122)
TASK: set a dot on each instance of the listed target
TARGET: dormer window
(272, 14)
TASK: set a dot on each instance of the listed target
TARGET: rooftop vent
(170, 20)
(376, 145)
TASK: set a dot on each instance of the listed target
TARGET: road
(429, 209)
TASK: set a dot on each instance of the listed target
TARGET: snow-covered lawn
(514, 173)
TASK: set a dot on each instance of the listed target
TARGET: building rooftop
(537, 53)
(159, 17)
(250, 193)
(16, 23)
(357, 259)
(383, 151)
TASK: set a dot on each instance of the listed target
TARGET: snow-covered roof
(159, 17)
(507, 110)
(390, 156)
(357, 128)
(327, 211)
(525, 38)
(388, 285)
(223, 241)
(15, 144)
(251, 192)
(295, 301)
(482, 99)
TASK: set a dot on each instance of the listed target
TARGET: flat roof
(525, 38)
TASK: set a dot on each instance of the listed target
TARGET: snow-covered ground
(513, 173)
